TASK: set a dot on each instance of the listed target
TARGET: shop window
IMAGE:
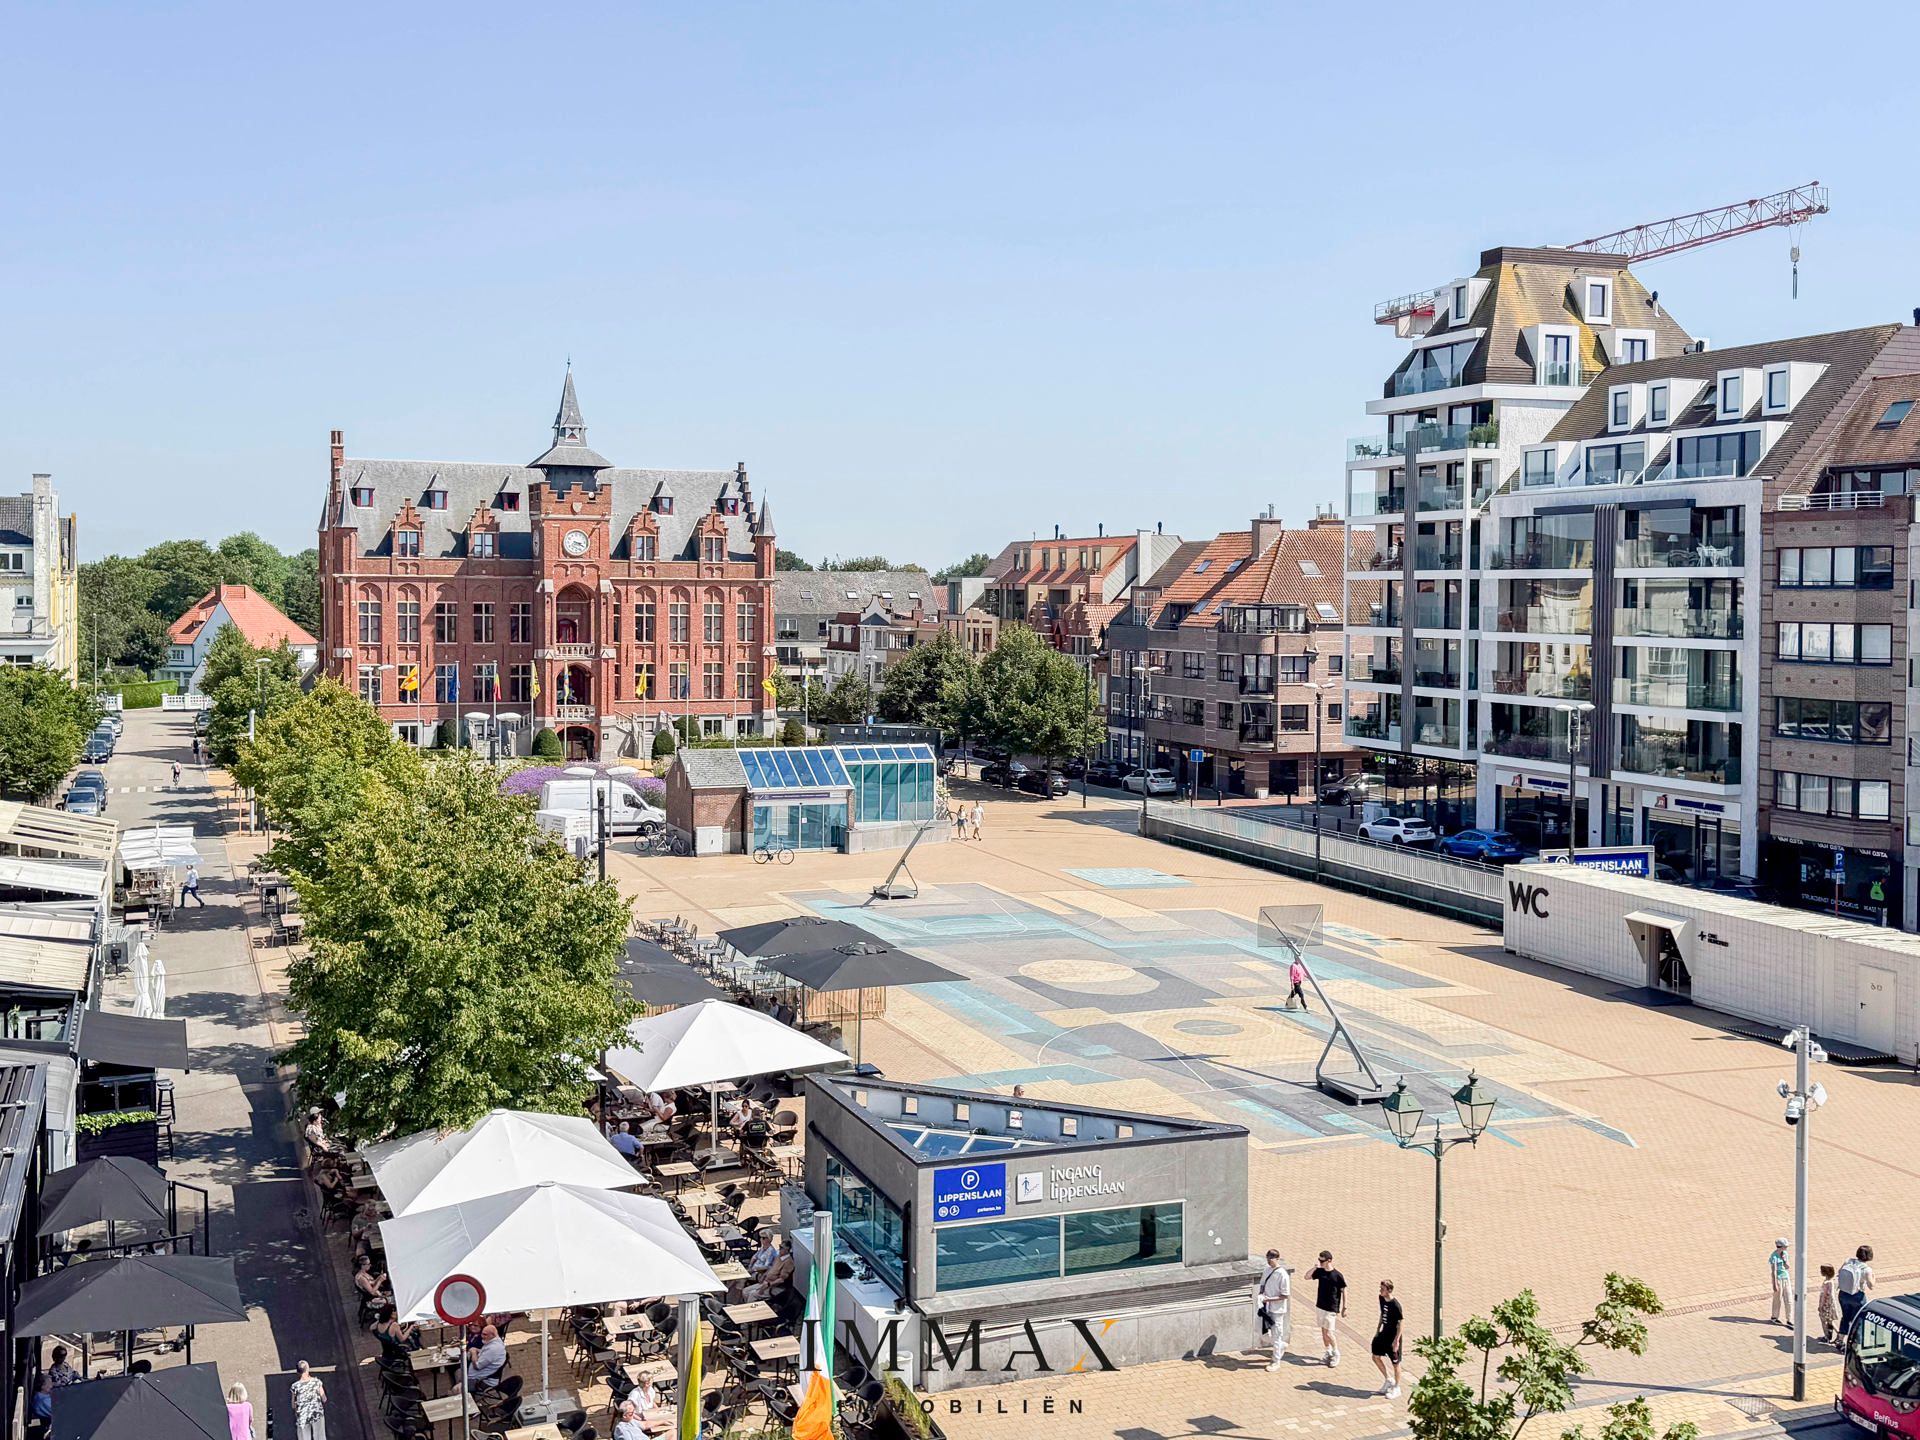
(868, 1221)
(1000, 1252)
(1127, 1239)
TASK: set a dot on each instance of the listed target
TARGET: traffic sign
(459, 1300)
(1197, 756)
(968, 1192)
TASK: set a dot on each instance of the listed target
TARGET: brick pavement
(1659, 1149)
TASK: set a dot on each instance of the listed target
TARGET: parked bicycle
(663, 842)
(767, 854)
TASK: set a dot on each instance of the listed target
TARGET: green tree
(187, 570)
(932, 684)
(974, 564)
(793, 733)
(44, 722)
(244, 681)
(867, 563)
(246, 559)
(847, 701)
(1516, 1368)
(1032, 700)
(664, 744)
(300, 595)
(116, 596)
(460, 960)
(787, 560)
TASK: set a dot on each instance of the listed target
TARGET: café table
(733, 1272)
(790, 1158)
(445, 1409)
(634, 1324)
(750, 1313)
(678, 1171)
(438, 1361)
(777, 1351)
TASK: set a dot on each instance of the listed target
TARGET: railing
(1564, 372)
(1662, 762)
(1435, 557)
(1545, 620)
(1442, 497)
(1646, 554)
(1256, 734)
(1527, 747)
(1680, 694)
(1541, 683)
(1483, 436)
(1377, 502)
(1436, 679)
(1435, 617)
(1256, 685)
(573, 712)
(1679, 624)
(1377, 674)
(1388, 559)
(572, 650)
(1541, 554)
(1837, 500)
(1429, 732)
(1366, 727)
(1423, 379)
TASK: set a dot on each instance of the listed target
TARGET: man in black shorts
(1386, 1342)
(1330, 1301)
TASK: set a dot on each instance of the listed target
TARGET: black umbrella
(183, 1403)
(658, 977)
(112, 1188)
(799, 935)
(863, 965)
(130, 1292)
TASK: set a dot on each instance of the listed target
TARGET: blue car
(1491, 847)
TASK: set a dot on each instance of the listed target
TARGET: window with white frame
(1460, 293)
(1633, 350)
(1779, 388)
(1659, 399)
(1599, 301)
(1620, 407)
(1732, 403)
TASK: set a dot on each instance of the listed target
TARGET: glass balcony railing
(1528, 747)
(1575, 686)
(1435, 616)
(1561, 372)
(1377, 502)
(1436, 677)
(1728, 552)
(1437, 733)
(1370, 727)
(1675, 763)
(1679, 624)
(1483, 436)
(1424, 379)
(1546, 620)
(1436, 557)
(1680, 694)
(1541, 553)
(1388, 559)
(1377, 674)
(1442, 497)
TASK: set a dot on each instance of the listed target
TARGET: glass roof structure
(799, 768)
(886, 752)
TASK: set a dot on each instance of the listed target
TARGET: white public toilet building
(1855, 984)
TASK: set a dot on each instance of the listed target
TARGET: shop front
(960, 1211)
(1843, 880)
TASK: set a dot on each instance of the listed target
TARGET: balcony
(1256, 685)
(1435, 733)
(1671, 552)
(1563, 372)
(1380, 560)
(1541, 553)
(1545, 620)
(1376, 502)
(1436, 678)
(1484, 436)
(1376, 674)
(1370, 727)
(1437, 557)
(570, 650)
(1256, 734)
(573, 712)
(1442, 497)
(1673, 763)
(1679, 624)
(1527, 747)
(1434, 615)
(1681, 694)
(1576, 685)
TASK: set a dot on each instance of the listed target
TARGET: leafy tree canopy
(974, 564)
(787, 560)
(934, 684)
(866, 562)
(1035, 701)
(847, 701)
(244, 681)
(44, 722)
(132, 600)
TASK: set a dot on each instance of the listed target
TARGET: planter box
(140, 1140)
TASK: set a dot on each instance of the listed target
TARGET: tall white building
(39, 581)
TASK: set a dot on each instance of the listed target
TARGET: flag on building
(534, 692)
(815, 1418)
(410, 680)
(690, 1391)
(770, 685)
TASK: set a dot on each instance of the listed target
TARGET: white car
(1153, 782)
(1397, 831)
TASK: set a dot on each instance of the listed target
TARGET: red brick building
(568, 593)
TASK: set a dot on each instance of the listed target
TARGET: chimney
(1159, 527)
(1654, 301)
(1916, 315)
(1266, 530)
(1103, 524)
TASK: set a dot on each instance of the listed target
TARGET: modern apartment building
(1838, 795)
(39, 581)
(1234, 648)
(603, 603)
(1496, 360)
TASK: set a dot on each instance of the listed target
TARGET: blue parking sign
(969, 1192)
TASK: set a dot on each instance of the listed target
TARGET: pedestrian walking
(196, 749)
(176, 774)
(1782, 1274)
(309, 1405)
(975, 818)
(1386, 1342)
(191, 890)
(960, 823)
(1275, 1309)
(1829, 1307)
(1297, 978)
(239, 1413)
(1854, 1281)
(1330, 1301)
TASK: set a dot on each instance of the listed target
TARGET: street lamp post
(1803, 1097)
(1474, 1104)
(1573, 710)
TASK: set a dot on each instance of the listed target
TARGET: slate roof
(1226, 572)
(1846, 354)
(712, 769)
(822, 594)
(16, 520)
(1859, 440)
(263, 623)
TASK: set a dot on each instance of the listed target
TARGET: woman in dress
(309, 1405)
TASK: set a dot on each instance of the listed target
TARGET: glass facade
(890, 782)
(1002, 1252)
(867, 1220)
(799, 824)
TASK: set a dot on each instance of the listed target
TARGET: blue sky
(943, 276)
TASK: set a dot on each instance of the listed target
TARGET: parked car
(1491, 847)
(1044, 782)
(1073, 769)
(1150, 782)
(202, 720)
(1396, 830)
(96, 751)
(1108, 772)
(1351, 790)
(84, 802)
(1002, 772)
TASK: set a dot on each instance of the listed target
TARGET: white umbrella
(142, 981)
(157, 983)
(713, 1041)
(503, 1150)
(544, 1246)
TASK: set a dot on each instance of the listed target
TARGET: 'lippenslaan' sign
(969, 1192)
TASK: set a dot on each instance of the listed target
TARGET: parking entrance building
(803, 797)
(962, 1209)
(1855, 984)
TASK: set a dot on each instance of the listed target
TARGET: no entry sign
(459, 1300)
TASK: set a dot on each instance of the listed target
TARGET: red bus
(1880, 1386)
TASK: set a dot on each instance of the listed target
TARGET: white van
(627, 812)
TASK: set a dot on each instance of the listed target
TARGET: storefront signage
(969, 1192)
(1688, 804)
(1080, 1182)
(1539, 782)
(1635, 860)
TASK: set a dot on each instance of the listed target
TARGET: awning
(119, 1039)
(45, 964)
(1665, 922)
(58, 877)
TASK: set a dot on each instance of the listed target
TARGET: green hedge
(144, 694)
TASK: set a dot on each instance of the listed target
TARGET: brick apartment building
(604, 603)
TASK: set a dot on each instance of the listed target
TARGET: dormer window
(480, 545)
(1731, 405)
(663, 504)
(362, 495)
(1596, 301)
(1620, 408)
(646, 547)
(1659, 403)
(1633, 351)
(406, 543)
(729, 506)
(507, 500)
(1459, 307)
(1779, 390)
(713, 549)
(436, 499)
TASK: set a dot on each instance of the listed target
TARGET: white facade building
(39, 581)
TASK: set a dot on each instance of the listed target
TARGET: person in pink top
(1297, 978)
(239, 1412)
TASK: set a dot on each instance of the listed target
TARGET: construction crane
(1665, 237)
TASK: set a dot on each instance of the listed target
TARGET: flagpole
(689, 1367)
(814, 1421)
